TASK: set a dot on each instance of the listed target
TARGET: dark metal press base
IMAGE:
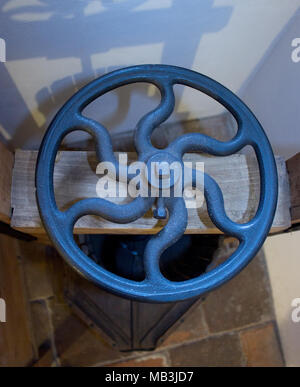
(131, 325)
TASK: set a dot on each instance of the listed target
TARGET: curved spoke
(215, 206)
(153, 119)
(104, 148)
(166, 237)
(201, 142)
(101, 135)
(117, 213)
(268, 192)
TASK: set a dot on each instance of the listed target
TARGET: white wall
(272, 92)
(282, 256)
(54, 47)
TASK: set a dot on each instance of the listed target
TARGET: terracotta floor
(234, 326)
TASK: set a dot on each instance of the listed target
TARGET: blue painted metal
(155, 288)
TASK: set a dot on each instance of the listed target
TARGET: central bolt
(162, 169)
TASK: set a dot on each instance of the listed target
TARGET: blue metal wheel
(155, 287)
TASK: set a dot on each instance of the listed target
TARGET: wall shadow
(57, 32)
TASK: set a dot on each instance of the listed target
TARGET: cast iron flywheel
(155, 287)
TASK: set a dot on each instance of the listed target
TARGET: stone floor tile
(261, 346)
(244, 300)
(77, 344)
(217, 351)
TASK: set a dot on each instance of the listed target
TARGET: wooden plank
(75, 178)
(16, 348)
(293, 168)
(6, 167)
